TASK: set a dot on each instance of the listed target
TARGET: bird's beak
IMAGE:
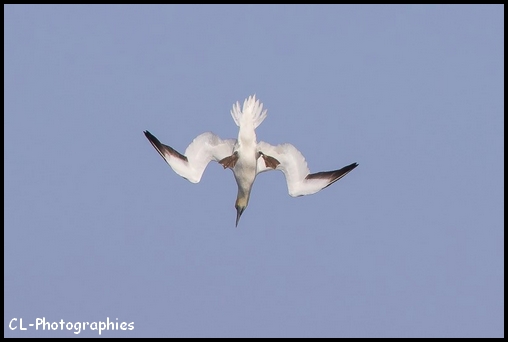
(239, 211)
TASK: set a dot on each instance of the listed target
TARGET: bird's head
(239, 211)
(240, 205)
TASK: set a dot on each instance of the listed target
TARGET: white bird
(247, 157)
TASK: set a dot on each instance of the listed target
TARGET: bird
(247, 157)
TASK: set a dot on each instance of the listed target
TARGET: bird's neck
(242, 198)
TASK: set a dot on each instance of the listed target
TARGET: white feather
(202, 150)
(294, 166)
(252, 112)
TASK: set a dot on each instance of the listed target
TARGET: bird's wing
(292, 163)
(203, 149)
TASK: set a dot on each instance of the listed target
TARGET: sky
(98, 227)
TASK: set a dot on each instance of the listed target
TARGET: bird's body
(247, 158)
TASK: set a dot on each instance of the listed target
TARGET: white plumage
(252, 112)
(247, 158)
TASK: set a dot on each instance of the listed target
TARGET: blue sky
(97, 226)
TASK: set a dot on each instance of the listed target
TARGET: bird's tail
(252, 112)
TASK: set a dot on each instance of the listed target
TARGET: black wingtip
(148, 134)
(333, 176)
(342, 172)
(157, 144)
(349, 167)
(164, 150)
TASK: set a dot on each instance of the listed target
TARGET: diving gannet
(247, 158)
